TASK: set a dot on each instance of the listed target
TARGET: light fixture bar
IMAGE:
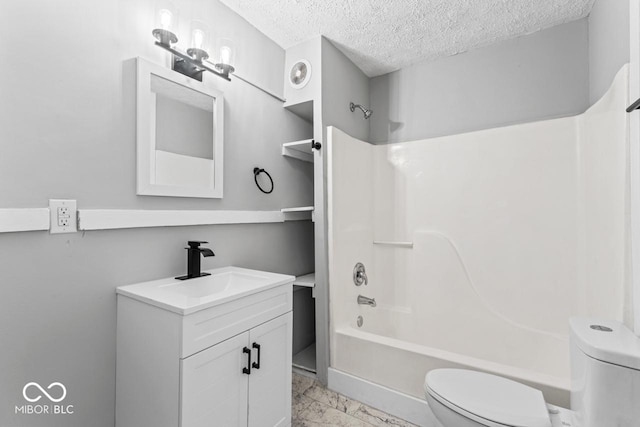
(197, 64)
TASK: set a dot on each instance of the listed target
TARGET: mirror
(179, 135)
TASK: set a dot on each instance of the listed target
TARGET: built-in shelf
(308, 280)
(306, 359)
(301, 109)
(298, 209)
(300, 150)
(298, 214)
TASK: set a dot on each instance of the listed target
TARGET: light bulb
(198, 39)
(165, 19)
(225, 55)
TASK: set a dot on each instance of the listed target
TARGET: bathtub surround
(69, 133)
(634, 153)
(519, 219)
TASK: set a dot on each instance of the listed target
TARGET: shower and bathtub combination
(477, 248)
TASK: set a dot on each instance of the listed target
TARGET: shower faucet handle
(360, 275)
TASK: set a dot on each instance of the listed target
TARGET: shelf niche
(298, 214)
(300, 150)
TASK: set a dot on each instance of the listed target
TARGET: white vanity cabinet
(218, 384)
(227, 364)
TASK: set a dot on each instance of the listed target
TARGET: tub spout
(366, 301)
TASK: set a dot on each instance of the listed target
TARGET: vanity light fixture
(194, 62)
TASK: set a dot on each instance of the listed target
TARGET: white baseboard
(392, 402)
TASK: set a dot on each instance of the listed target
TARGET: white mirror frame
(146, 141)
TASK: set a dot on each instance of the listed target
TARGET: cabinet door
(270, 384)
(213, 389)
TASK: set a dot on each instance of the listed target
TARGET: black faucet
(193, 259)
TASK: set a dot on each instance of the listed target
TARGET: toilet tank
(605, 373)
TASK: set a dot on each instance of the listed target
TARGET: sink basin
(220, 281)
(188, 296)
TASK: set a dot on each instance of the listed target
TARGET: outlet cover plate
(63, 214)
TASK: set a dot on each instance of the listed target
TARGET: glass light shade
(199, 35)
(199, 41)
(166, 22)
(226, 53)
(166, 16)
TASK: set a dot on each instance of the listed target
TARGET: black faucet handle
(194, 244)
(206, 252)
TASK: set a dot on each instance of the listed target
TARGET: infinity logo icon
(44, 392)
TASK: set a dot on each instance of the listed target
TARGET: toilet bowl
(605, 378)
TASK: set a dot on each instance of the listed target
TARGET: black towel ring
(258, 171)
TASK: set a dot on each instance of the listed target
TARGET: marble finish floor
(314, 405)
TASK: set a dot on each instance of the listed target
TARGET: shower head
(367, 112)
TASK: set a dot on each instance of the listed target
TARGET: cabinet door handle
(247, 370)
(256, 364)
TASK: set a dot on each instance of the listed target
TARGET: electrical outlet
(63, 215)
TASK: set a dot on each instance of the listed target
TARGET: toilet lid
(489, 397)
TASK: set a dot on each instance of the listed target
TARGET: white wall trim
(392, 402)
(108, 219)
(634, 150)
(35, 219)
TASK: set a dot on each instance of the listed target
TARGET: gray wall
(530, 78)
(608, 44)
(342, 83)
(67, 114)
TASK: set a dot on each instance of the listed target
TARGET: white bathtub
(402, 365)
(430, 314)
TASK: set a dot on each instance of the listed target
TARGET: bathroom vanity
(209, 351)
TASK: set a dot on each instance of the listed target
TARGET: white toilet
(605, 387)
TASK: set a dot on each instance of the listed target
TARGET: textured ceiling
(381, 36)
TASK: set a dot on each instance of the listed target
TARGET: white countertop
(189, 296)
